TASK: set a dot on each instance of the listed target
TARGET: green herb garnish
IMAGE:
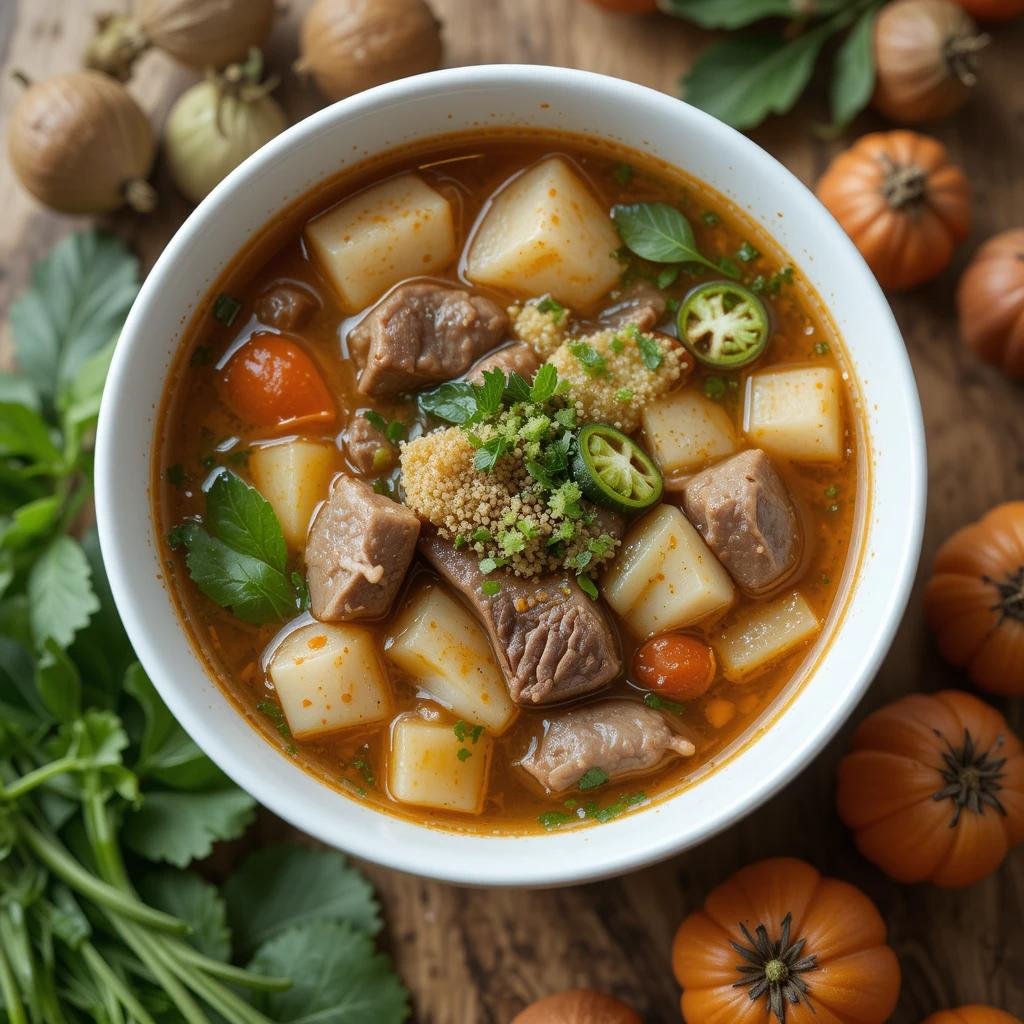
(593, 363)
(822, 348)
(554, 307)
(747, 253)
(657, 232)
(592, 778)
(225, 309)
(659, 703)
(622, 174)
(710, 218)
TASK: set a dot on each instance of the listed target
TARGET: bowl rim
(549, 859)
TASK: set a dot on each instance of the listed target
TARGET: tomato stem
(773, 968)
(973, 778)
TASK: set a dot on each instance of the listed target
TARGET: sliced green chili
(613, 470)
(724, 324)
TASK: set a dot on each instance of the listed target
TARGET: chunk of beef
(287, 306)
(363, 442)
(423, 333)
(615, 736)
(360, 547)
(515, 358)
(551, 640)
(742, 509)
(642, 304)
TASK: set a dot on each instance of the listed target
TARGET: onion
(80, 144)
(216, 124)
(199, 33)
(926, 54)
(351, 45)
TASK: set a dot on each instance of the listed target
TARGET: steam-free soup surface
(549, 600)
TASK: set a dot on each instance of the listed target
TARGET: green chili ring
(723, 324)
(614, 471)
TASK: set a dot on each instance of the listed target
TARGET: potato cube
(665, 577)
(398, 229)
(294, 476)
(759, 639)
(546, 233)
(328, 678)
(685, 431)
(796, 414)
(442, 646)
(431, 767)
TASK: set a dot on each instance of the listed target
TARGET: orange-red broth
(199, 434)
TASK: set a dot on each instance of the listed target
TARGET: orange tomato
(273, 382)
(974, 601)
(993, 10)
(627, 6)
(676, 664)
(777, 942)
(972, 1015)
(933, 789)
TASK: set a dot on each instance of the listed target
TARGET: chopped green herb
(667, 277)
(650, 351)
(488, 454)
(710, 218)
(714, 388)
(826, 579)
(730, 268)
(832, 491)
(554, 819)
(175, 474)
(758, 284)
(463, 754)
(617, 345)
(225, 309)
(822, 348)
(777, 280)
(622, 174)
(747, 253)
(460, 541)
(658, 703)
(581, 559)
(273, 711)
(623, 395)
(475, 733)
(593, 363)
(490, 588)
(672, 306)
(588, 586)
(363, 766)
(592, 778)
(460, 728)
(488, 565)
(552, 306)
(481, 536)
(615, 809)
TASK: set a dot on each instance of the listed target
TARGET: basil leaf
(853, 75)
(454, 402)
(734, 13)
(243, 519)
(744, 78)
(657, 232)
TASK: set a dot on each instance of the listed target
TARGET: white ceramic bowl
(890, 505)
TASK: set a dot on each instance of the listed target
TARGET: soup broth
(216, 421)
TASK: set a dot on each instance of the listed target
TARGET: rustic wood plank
(476, 956)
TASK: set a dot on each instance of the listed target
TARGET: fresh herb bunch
(98, 783)
(745, 77)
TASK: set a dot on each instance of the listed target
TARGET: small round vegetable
(273, 382)
(993, 10)
(80, 144)
(933, 789)
(723, 324)
(199, 33)
(926, 56)
(351, 45)
(990, 300)
(776, 941)
(974, 601)
(972, 1015)
(627, 6)
(216, 124)
(676, 664)
(613, 470)
(578, 1006)
(902, 201)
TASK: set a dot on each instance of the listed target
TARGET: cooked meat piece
(362, 443)
(515, 358)
(742, 509)
(360, 547)
(423, 333)
(616, 736)
(287, 306)
(642, 304)
(551, 640)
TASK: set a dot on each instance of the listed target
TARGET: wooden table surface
(476, 957)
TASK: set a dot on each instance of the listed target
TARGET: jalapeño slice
(723, 324)
(613, 470)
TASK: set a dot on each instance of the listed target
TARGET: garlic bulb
(216, 124)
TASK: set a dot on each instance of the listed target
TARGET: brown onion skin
(578, 1006)
(993, 10)
(990, 303)
(916, 80)
(351, 45)
(81, 144)
(205, 33)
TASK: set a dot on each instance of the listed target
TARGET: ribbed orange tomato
(972, 1015)
(902, 201)
(933, 789)
(776, 940)
(993, 10)
(974, 601)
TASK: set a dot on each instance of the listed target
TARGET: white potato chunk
(546, 233)
(765, 635)
(685, 431)
(796, 414)
(397, 229)
(328, 677)
(294, 476)
(442, 646)
(431, 767)
(665, 576)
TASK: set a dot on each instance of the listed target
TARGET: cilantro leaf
(285, 886)
(337, 977)
(489, 395)
(651, 353)
(187, 897)
(60, 595)
(182, 827)
(486, 457)
(243, 519)
(454, 402)
(517, 389)
(544, 383)
(593, 363)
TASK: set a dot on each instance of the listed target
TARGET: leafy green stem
(101, 838)
(112, 980)
(9, 987)
(40, 776)
(228, 972)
